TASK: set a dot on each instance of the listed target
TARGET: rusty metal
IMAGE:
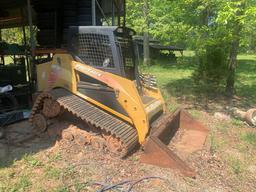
(99, 121)
(191, 138)
(40, 123)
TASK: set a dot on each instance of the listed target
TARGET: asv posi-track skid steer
(98, 81)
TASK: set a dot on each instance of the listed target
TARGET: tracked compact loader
(97, 80)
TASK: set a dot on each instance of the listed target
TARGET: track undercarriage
(105, 132)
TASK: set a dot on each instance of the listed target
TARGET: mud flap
(182, 133)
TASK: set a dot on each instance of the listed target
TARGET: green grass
(22, 184)
(246, 78)
(55, 157)
(236, 165)
(249, 137)
(31, 161)
(175, 80)
(52, 172)
(61, 189)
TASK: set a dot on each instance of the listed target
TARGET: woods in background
(217, 30)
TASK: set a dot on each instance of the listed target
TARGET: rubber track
(91, 114)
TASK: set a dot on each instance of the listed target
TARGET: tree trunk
(230, 86)
(146, 35)
(230, 83)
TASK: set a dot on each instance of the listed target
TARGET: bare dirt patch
(44, 163)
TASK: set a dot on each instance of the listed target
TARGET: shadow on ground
(21, 139)
(188, 93)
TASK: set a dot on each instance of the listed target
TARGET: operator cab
(109, 49)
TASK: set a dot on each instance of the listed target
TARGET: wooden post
(32, 46)
(32, 40)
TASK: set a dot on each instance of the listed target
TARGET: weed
(55, 157)
(61, 189)
(214, 145)
(80, 186)
(31, 161)
(22, 184)
(237, 122)
(236, 165)
(52, 172)
(217, 143)
(249, 137)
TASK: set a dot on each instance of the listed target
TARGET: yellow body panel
(62, 72)
(56, 73)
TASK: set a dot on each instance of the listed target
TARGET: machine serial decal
(82, 68)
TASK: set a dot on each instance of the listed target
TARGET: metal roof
(13, 13)
(7, 4)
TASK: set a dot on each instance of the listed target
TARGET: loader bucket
(172, 140)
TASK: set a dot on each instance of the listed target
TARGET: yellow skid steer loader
(98, 81)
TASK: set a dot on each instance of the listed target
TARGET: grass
(31, 161)
(236, 165)
(249, 137)
(52, 172)
(61, 189)
(55, 157)
(176, 81)
(22, 184)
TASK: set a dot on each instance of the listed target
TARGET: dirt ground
(42, 163)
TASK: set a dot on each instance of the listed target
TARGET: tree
(235, 16)
(146, 33)
(227, 26)
(219, 24)
(164, 20)
(15, 35)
